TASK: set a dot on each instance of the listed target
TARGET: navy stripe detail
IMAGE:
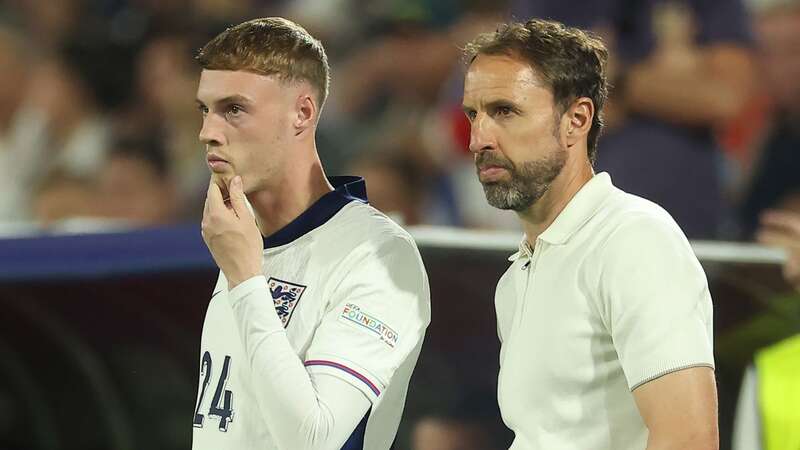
(356, 439)
(346, 190)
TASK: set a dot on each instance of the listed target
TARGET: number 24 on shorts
(223, 412)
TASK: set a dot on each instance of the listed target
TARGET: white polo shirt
(348, 288)
(611, 297)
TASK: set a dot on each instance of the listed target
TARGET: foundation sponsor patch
(353, 314)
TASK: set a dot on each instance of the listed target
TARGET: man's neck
(279, 205)
(537, 218)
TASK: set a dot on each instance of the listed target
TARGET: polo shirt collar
(583, 206)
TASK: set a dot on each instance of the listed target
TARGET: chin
(222, 180)
(501, 197)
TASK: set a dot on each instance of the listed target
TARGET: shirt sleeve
(376, 318)
(656, 300)
(301, 410)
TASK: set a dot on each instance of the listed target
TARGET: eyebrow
(236, 98)
(492, 104)
(501, 102)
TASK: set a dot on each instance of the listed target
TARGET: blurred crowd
(98, 123)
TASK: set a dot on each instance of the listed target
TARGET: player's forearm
(296, 415)
(285, 394)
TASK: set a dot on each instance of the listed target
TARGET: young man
(605, 314)
(312, 331)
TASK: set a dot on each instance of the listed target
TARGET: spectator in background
(385, 86)
(782, 229)
(682, 69)
(14, 61)
(775, 182)
(69, 134)
(65, 202)
(767, 415)
(15, 132)
(165, 79)
(136, 186)
(60, 130)
(49, 24)
(63, 118)
(395, 186)
(402, 90)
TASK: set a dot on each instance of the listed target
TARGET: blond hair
(270, 46)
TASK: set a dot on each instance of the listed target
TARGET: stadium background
(104, 279)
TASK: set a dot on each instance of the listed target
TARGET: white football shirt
(352, 294)
(611, 297)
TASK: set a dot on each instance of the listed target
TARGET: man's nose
(480, 136)
(211, 132)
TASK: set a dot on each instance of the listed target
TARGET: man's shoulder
(359, 236)
(365, 244)
(627, 213)
(360, 222)
(633, 224)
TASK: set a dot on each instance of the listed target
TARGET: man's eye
(235, 110)
(203, 109)
(471, 115)
(504, 110)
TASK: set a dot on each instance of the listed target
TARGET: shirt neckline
(346, 189)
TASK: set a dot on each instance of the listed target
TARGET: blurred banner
(100, 333)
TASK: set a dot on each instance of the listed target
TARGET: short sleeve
(656, 300)
(377, 316)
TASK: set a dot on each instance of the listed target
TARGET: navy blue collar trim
(346, 190)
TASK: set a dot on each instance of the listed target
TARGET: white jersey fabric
(611, 297)
(345, 294)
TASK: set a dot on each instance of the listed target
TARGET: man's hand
(231, 233)
(782, 229)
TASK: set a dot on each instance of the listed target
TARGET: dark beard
(528, 183)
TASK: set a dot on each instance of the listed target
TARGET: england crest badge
(285, 295)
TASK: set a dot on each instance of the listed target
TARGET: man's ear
(306, 112)
(577, 121)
